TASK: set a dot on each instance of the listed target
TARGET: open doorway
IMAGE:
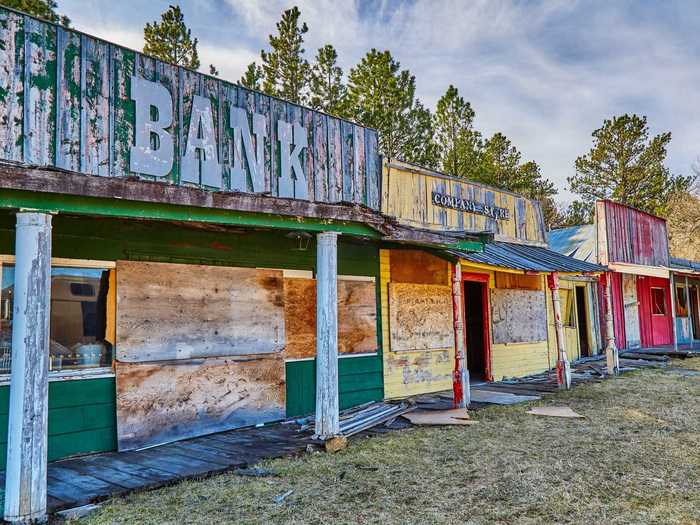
(582, 318)
(694, 315)
(476, 330)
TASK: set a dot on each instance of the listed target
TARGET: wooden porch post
(25, 477)
(690, 311)
(460, 379)
(612, 355)
(674, 330)
(327, 406)
(563, 367)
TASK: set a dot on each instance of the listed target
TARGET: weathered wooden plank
(184, 311)
(348, 161)
(420, 317)
(374, 169)
(518, 316)
(320, 151)
(122, 110)
(359, 166)
(295, 116)
(278, 110)
(167, 401)
(262, 103)
(86, 482)
(69, 74)
(11, 85)
(109, 474)
(130, 468)
(418, 267)
(308, 154)
(39, 92)
(335, 160)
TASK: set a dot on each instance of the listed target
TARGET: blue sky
(544, 73)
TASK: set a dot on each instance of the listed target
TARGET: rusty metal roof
(685, 264)
(576, 241)
(528, 258)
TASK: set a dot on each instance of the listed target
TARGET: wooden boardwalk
(88, 479)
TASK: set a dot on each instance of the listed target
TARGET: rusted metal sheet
(518, 316)
(85, 105)
(357, 317)
(185, 311)
(632, 236)
(172, 400)
(429, 200)
(420, 317)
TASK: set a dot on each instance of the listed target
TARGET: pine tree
(252, 77)
(45, 9)
(627, 166)
(382, 96)
(213, 71)
(171, 40)
(326, 90)
(285, 70)
(458, 144)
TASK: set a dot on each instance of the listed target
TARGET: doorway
(582, 318)
(694, 314)
(476, 330)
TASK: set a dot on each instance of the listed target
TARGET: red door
(655, 319)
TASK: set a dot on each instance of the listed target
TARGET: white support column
(690, 311)
(674, 318)
(563, 366)
(460, 381)
(327, 418)
(612, 356)
(25, 477)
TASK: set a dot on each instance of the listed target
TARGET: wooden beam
(563, 367)
(25, 477)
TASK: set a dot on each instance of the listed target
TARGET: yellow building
(503, 292)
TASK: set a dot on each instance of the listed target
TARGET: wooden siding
(631, 236)
(406, 195)
(66, 102)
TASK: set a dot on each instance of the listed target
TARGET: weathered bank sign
(78, 103)
(457, 203)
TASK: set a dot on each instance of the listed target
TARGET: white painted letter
(289, 161)
(153, 151)
(242, 142)
(203, 168)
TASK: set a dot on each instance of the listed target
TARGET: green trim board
(73, 204)
(82, 418)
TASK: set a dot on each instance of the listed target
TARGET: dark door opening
(695, 316)
(582, 318)
(474, 315)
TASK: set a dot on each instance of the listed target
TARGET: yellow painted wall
(410, 373)
(407, 195)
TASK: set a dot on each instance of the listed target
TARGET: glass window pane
(78, 319)
(681, 302)
(658, 301)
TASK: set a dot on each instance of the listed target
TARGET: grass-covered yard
(634, 459)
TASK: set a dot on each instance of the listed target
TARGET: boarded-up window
(518, 316)
(518, 281)
(420, 317)
(414, 266)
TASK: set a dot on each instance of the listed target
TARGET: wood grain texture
(420, 317)
(182, 311)
(418, 267)
(357, 317)
(163, 402)
(518, 316)
(11, 85)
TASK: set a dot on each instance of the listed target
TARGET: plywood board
(420, 317)
(168, 401)
(185, 311)
(518, 316)
(357, 317)
(415, 266)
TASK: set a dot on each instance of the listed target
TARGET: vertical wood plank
(188, 88)
(95, 82)
(123, 111)
(262, 105)
(40, 92)
(348, 167)
(68, 74)
(278, 110)
(321, 179)
(11, 85)
(374, 168)
(359, 165)
(308, 155)
(229, 97)
(335, 160)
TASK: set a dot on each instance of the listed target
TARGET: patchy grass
(634, 459)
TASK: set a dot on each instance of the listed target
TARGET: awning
(640, 269)
(527, 258)
(685, 266)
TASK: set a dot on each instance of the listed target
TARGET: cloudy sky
(544, 73)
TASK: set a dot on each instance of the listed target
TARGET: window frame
(653, 303)
(88, 373)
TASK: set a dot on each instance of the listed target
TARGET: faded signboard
(420, 317)
(167, 401)
(518, 316)
(185, 311)
(85, 105)
(357, 317)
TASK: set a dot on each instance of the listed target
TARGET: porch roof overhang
(639, 269)
(685, 266)
(526, 258)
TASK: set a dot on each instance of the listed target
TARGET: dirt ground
(635, 458)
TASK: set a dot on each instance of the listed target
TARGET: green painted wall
(113, 239)
(81, 417)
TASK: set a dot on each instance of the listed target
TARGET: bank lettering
(457, 203)
(153, 151)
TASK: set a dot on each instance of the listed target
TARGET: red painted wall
(655, 329)
(633, 237)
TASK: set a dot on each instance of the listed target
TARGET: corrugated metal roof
(528, 258)
(685, 264)
(577, 241)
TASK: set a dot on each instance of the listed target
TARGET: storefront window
(658, 301)
(681, 302)
(78, 323)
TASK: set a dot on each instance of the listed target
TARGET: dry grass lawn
(634, 459)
